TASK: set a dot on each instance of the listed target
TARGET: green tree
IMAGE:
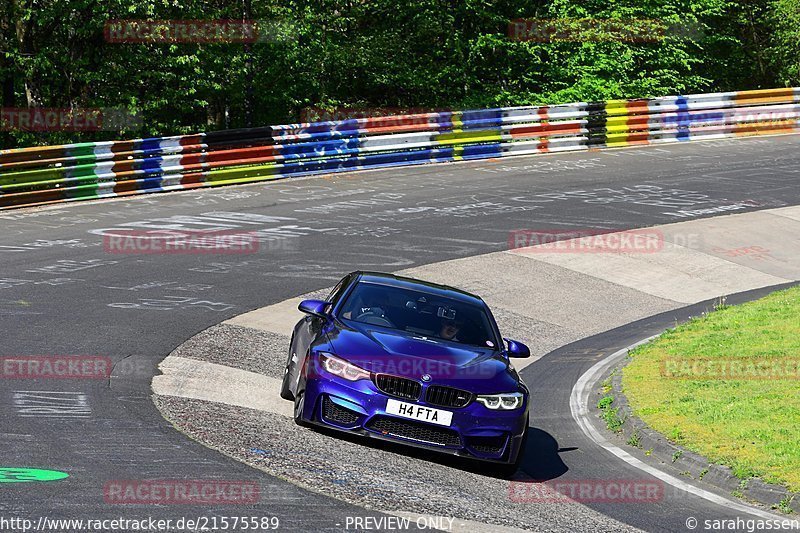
(381, 53)
(784, 18)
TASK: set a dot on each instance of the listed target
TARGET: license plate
(419, 412)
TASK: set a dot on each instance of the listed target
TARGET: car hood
(413, 356)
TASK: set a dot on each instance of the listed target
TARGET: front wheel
(286, 385)
(299, 404)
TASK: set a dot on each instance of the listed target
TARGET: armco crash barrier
(41, 175)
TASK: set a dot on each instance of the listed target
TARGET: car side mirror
(517, 349)
(314, 308)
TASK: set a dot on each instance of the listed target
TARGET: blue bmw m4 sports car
(409, 361)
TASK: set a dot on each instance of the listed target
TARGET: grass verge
(727, 386)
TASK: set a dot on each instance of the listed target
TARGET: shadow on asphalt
(542, 460)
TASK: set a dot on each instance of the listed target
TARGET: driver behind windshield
(450, 328)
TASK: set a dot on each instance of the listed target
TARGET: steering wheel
(372, 317)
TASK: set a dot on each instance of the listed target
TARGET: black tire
(299, 403)
(286, 386)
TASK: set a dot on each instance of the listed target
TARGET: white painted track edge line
(579, 407)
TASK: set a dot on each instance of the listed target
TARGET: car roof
(391, 280)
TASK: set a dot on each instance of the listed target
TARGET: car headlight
(503, 402)
(341, 368)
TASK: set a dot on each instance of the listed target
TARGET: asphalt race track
(63, 293)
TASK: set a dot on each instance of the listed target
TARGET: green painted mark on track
(29, 475)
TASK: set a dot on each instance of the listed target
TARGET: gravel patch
(375, 475)
(258, 351)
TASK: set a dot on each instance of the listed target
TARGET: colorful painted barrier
(42, 175)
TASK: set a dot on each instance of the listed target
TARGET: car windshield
(420, 313)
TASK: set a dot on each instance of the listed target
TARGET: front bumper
(358, 407)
